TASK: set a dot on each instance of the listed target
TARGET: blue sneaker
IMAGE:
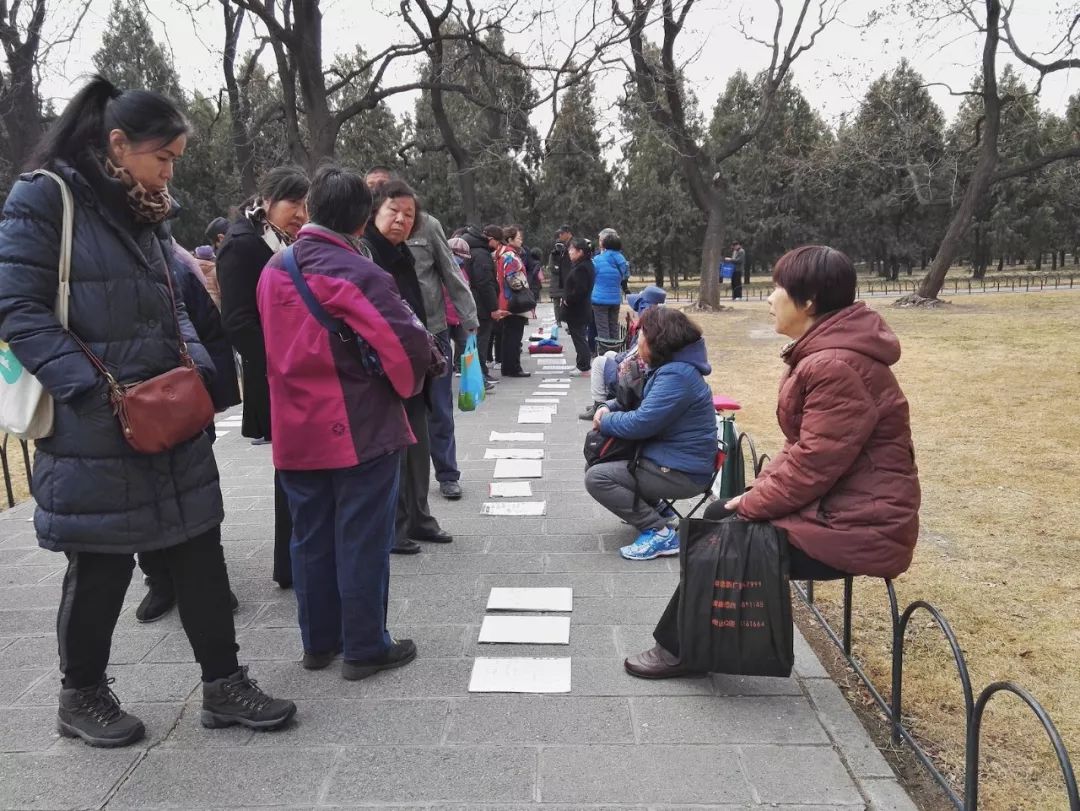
(652, 543)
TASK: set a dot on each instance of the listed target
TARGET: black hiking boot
(94, 714)
(238, 700)
(158, 602)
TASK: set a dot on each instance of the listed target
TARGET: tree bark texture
(985, 166)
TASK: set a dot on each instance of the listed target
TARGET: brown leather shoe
(657, 663)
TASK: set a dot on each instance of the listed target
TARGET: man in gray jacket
(436, 270)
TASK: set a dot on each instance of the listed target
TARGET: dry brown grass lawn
(994, 387)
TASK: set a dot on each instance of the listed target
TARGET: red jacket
(845, 486)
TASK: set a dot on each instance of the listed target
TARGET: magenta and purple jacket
(327, 411)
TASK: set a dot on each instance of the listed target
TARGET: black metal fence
(759, 290)
(892, 708)
(5, 462)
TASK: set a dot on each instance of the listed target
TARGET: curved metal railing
(892, 708)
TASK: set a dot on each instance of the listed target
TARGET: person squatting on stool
(844, 487)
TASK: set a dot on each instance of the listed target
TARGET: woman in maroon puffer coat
(845, 486)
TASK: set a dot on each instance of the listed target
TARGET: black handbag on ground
(735, 598)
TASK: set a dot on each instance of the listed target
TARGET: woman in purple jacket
(338, 422)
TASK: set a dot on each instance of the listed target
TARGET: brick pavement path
(415, 738)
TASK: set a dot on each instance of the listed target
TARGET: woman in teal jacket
(675, 426)
(612, 272)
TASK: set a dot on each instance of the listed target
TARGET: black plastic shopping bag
(735, 598)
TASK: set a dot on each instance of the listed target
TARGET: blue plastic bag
(555, 333)
(471, 389)
(727, 270)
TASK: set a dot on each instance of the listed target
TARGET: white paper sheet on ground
(530, 599)
(510, 489)
(543, 401)
(519, 468)
(520, 675)
(552, 373)
(220, 434)
(515, 436)
(553, 385)
(230, 423)
(533, 508)
(549, 393)
(514, 453)
(526, 417)
(556, 380)
(547, 360)
(525, 630)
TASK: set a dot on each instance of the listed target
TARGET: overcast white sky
(833, 75)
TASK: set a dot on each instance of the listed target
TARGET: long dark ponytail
(98, 109)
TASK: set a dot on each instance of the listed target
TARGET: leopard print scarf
(148, 207)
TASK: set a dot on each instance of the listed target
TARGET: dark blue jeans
(441, 420)
(343, 529)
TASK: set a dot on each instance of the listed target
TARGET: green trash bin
(732, 474)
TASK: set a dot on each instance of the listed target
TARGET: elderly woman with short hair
(340, 429)
(844, 487)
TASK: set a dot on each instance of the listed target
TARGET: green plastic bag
(471, 389)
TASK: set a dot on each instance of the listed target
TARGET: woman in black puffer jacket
(99, 500)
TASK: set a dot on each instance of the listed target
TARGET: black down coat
(94, 493)
(240, 262)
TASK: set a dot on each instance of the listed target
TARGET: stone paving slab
(414, 738)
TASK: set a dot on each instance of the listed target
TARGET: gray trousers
(606, 317)
(414, 518)
(611, 484)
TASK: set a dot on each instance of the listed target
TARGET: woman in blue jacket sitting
(675, 426)
(612, 272)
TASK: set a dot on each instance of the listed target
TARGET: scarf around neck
(147, 207)
(272, 235)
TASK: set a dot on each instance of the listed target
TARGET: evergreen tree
(660, 226)
(497, 147)
(894, 156)
(130, 56)
(373, 136)
(771, 185)
(575, 185)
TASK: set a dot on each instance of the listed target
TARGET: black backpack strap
(334, 325)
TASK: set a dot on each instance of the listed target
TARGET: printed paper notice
(518, 469)
(510, 489)
(514, 453)
(511, 630)
(515, 436)
(520, 675)
(514, 507)
(530, 599)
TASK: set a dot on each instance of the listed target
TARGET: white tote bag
(26, 409)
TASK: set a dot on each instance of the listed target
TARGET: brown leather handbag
(164, 411)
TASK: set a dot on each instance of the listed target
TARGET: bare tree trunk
(712, 251)
(20, 107)
(239, 108)
(1054, 258)
(983, 174)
